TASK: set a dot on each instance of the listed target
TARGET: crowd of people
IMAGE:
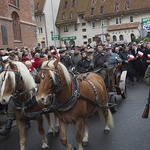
(133, 57)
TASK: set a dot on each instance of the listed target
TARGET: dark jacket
(84, 65)
(124, 56)
(100, 59)
(66, 60)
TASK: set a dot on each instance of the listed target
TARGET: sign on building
(146, 23)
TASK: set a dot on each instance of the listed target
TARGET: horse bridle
(14, 98)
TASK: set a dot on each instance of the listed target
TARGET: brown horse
(18, 88)
(73, 99)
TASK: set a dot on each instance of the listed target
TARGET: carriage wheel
(124, 94)
(113, 103)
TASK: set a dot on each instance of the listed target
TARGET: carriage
(55, 81)
(117, 85)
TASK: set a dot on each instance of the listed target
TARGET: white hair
(64, 69)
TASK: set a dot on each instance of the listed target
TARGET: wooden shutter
(4, 35)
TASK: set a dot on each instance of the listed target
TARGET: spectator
(127, 63)
(84, 65)
(76, 57)
(66, 60)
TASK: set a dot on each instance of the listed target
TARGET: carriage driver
(100, 61)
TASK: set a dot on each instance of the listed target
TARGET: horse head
(11, 80)
(52, 76)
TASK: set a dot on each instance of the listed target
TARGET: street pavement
(131, 131)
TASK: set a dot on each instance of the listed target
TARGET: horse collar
(22, 105)
(72, 99)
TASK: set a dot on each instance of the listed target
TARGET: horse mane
(63, 68)
(26, 76)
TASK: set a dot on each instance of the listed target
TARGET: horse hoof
(106, 131)
(85, 143)
(50, 134)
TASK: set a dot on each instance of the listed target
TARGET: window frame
(116, 7)
(92, 11)
(14, 3)
(131, 18)
(93, 24)
(65, 28)
(127, 5)
(101, 9)
(16, 26)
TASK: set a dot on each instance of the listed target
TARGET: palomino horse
(18, 88)
(73, 99)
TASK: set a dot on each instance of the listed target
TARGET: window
(73, 3)
(85, 42)
(38, 19)
(14, 2)
(16, 26)
(94, 38)
(127, 5)
(65, 5)
(92, 24)
(83, 24)
(82, 17)
(114, 38)
(101, 9)
(63, 16)
(117, 7)
(121, 38)
(84, 36)
(65, 28)
(103, 23)
(75, 27)
(4, 35)
(71, 15)
(118, 20)
(37, 6)
(92, 11)
(131, 18)
(83, 30)
(89, 40)
(40, 30)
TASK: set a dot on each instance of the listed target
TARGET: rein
(74, 96)
(23, 106)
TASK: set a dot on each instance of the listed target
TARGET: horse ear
(56, 62)
(12, 66)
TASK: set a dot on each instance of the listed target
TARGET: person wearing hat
(76, 57)
(65, 59)
(84, 65)
(100, 61)
(113, 57)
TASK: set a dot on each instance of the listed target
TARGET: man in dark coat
(100, 61)
(127, 63)
(65, 59)
(84, 65)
